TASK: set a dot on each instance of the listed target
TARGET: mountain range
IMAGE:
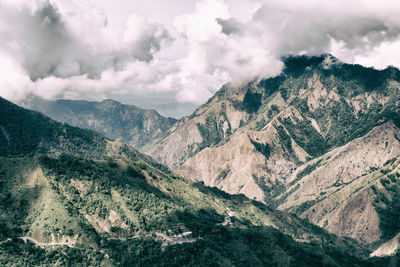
(70, 196)
(308, 164)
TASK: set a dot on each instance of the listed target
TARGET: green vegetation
(390, 161)
(305, 135)
(296, 66)
(338, 121)
(220, 246)
(26, 132)
(307, 170)
(14, 200)
(260, 124)
(145, 208)
(271, 85)
(261, 246)
(284, 139)
(369, 79)
(264, 149)
(252, 101)
(17, 253)
(61, 181)
(388, 209)
(212, 131)
(271, 190)
(304, 206)
(273, 111)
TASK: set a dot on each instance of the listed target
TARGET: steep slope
(126, 123)
(311, 114)
(111, 205)
(336, 191)
(209, 125)
(23, 132)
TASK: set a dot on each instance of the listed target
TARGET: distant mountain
(126, 123)
(321, 140)
(72, 197)
(175, 110)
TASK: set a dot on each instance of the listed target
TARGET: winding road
(165, 239)
(40, 244)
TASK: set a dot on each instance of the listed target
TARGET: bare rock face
(336, 194)
(356, 218)
(238, 167)
(211, 123)
(388, 248)
(174, 148)
(343, 165)
(230, 168)
(311, 141)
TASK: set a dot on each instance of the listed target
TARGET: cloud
(223, 48)
(69, 44)
(66, 48)
(64, 38)
(311, 26)
(216, 55)
(387, 54)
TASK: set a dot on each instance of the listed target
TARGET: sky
(176, 54)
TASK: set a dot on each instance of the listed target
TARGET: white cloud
(67, 48)
(214, 57)
(387, 54)
(223, 48)
(14, 83)
(65, 42)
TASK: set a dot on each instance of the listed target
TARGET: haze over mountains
(126, 123)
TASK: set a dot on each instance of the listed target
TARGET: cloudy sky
(156, 52)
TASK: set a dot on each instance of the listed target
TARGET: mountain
(72, 197)
(126, 123)
(321, 140)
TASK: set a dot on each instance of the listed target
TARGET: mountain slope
(111, 205)
(268, 139)
(23, 132)
(126, 123)
(340, 197)
(210, 124)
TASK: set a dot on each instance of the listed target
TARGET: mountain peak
(111, 101)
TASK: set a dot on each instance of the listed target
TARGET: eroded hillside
(317, 130)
